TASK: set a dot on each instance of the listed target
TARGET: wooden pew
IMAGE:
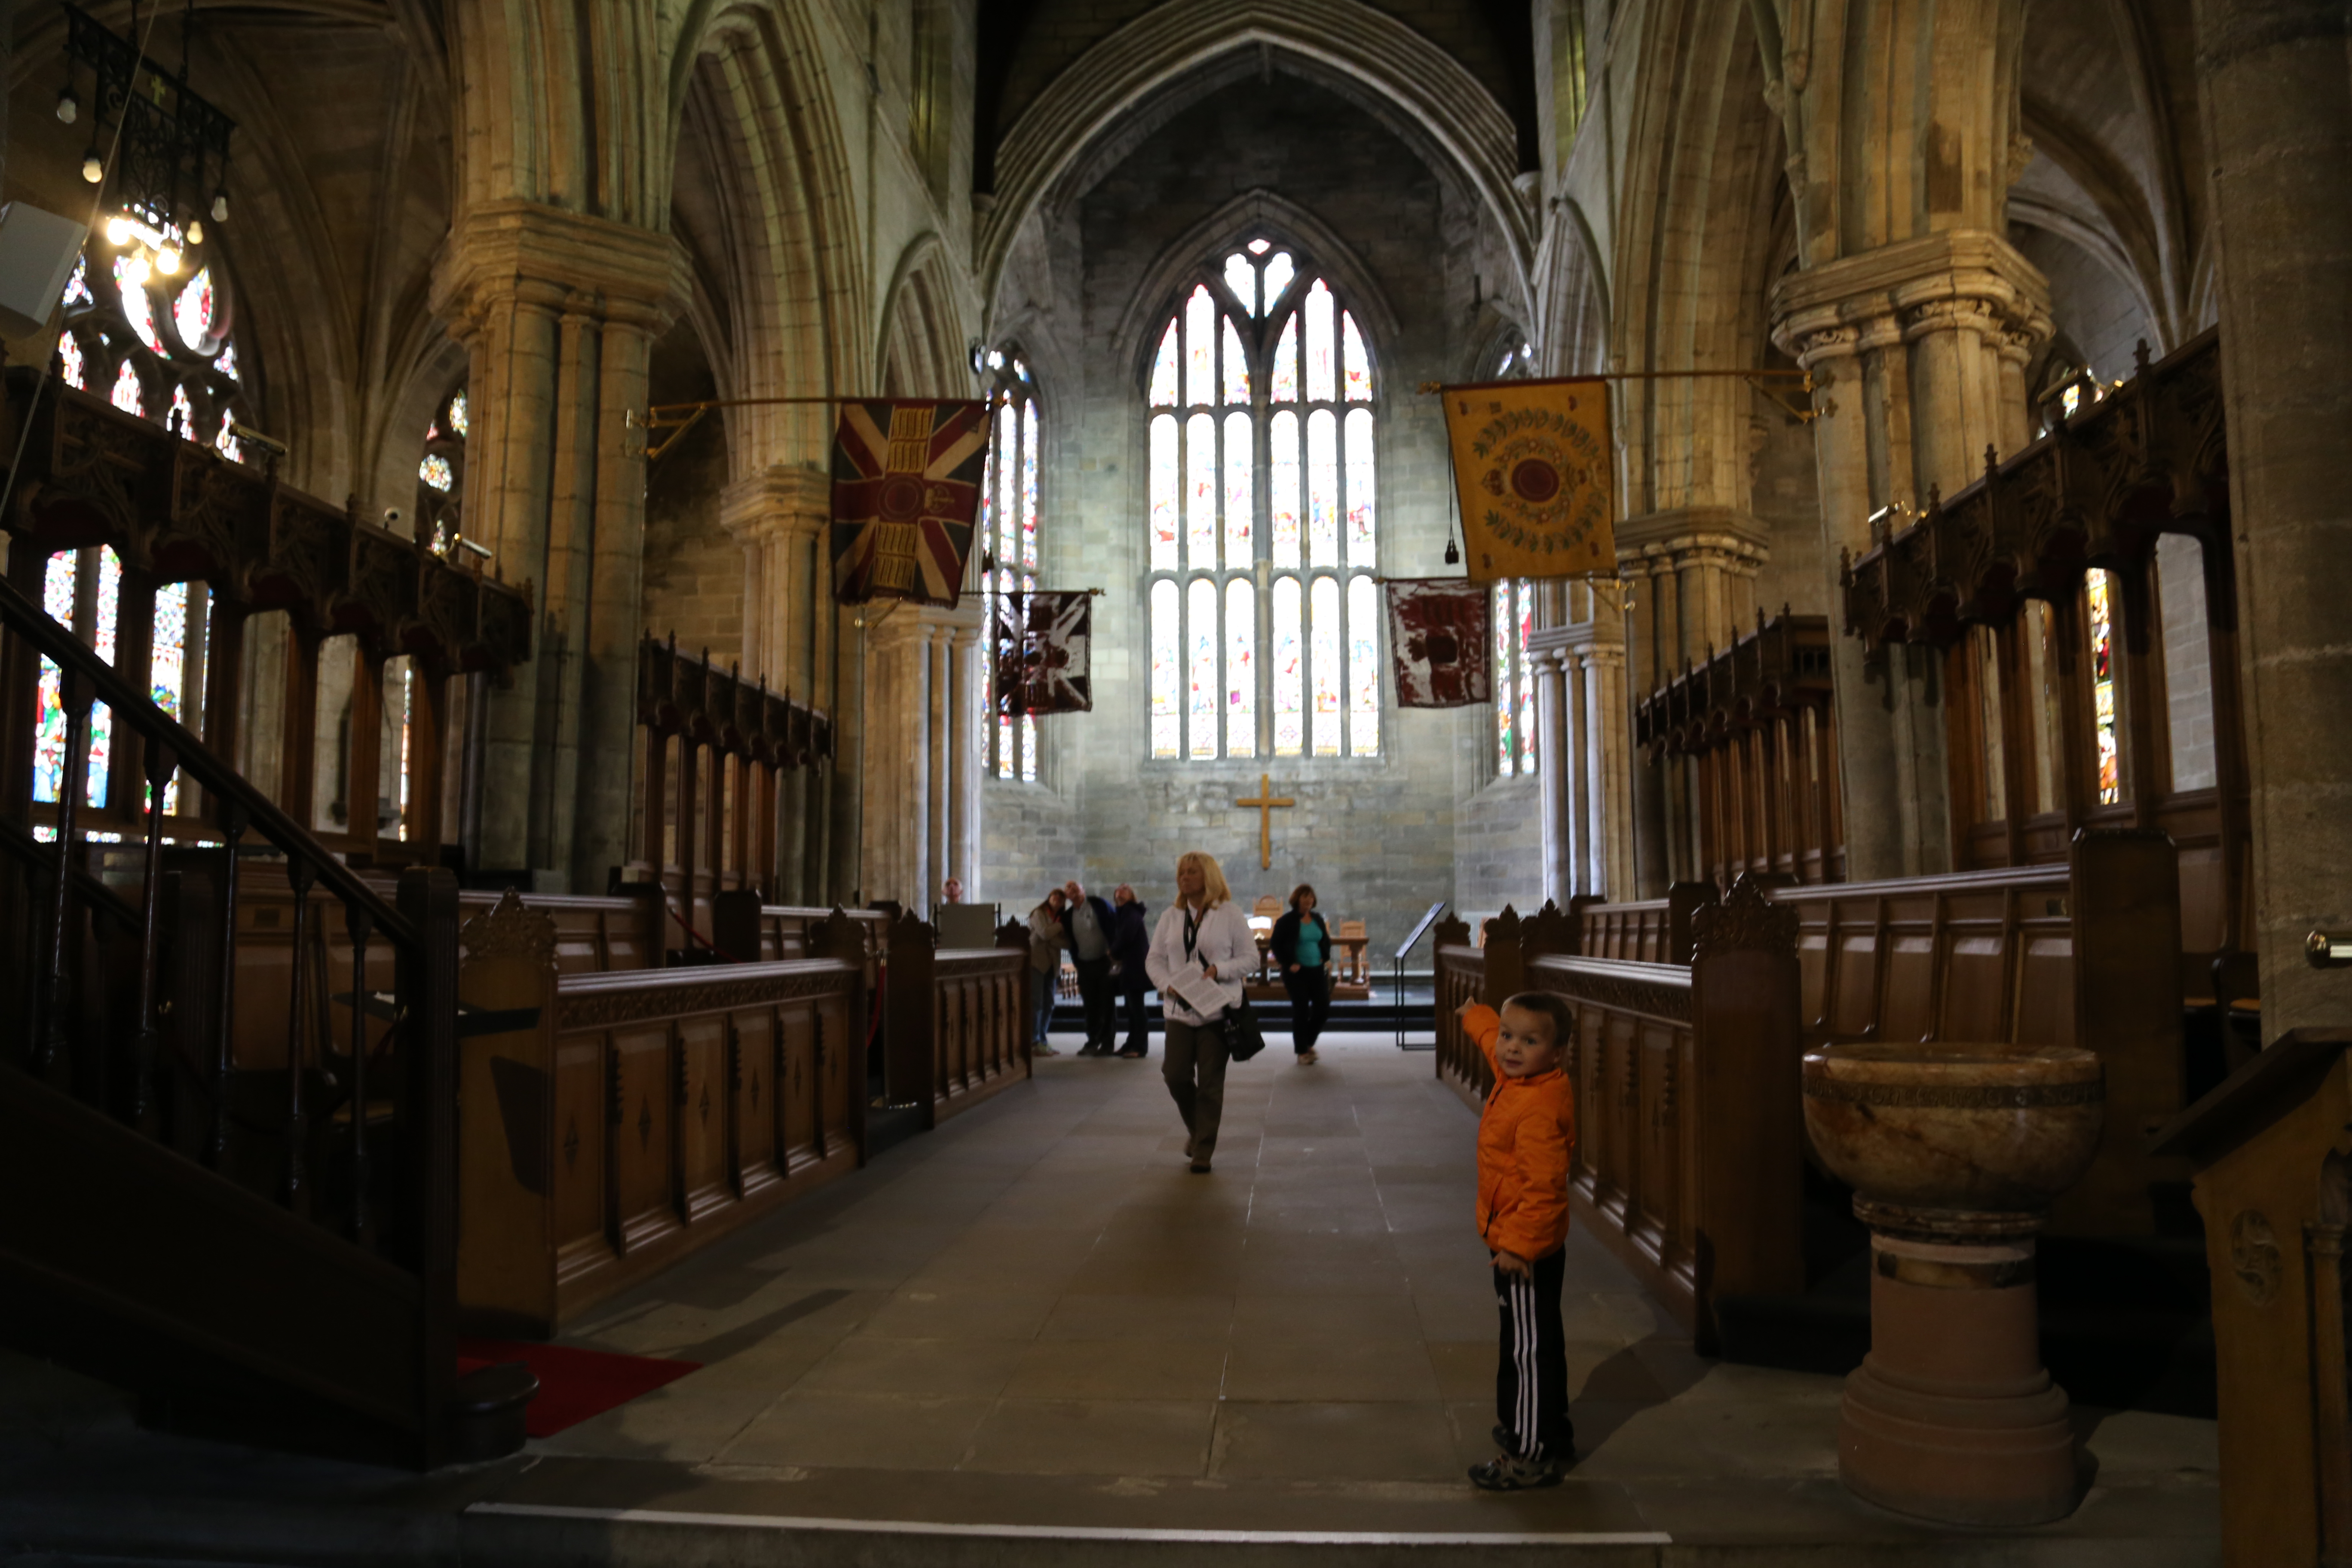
(954, 1029)
(2080, 954)
(631, 1118)
(1690, 1128)
(2274, 1187)
(1650, 931)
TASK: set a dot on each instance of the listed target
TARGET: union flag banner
(1042, 643)
(906, 483)
(1532, 463)
(1441, 642)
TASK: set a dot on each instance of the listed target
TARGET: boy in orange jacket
(1526, 1136)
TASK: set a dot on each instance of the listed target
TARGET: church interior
(529, 1038)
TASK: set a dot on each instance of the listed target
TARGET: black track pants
(1531, 1375)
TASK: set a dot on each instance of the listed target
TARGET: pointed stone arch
(925, 350)
(1347, 36)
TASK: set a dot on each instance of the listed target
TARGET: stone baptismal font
(1954, 1152)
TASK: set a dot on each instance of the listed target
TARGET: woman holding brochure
(1200, 952)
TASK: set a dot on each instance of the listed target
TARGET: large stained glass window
(441, 473)
(2098, 594)
(1262, 518)
(1008, 536)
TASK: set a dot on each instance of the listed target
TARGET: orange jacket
(1526, 1136)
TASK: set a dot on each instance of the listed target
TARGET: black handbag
(1243, 1038)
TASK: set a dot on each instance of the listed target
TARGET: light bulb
(220, 205)
(118, 230)
(135, 270)
(167, 261)
(68, 106)
(93, 168)
(196, 232)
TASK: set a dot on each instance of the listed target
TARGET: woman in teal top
(1302, 947)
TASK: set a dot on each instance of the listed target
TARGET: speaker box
(36, 256)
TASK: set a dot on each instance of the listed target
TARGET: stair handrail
(127, 701)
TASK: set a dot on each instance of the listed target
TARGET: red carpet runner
(573, 1384)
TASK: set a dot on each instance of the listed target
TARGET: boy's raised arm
(1482, 1024)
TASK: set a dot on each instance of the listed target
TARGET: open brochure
(1196, 991)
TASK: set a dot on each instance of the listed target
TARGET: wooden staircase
(242, 1208)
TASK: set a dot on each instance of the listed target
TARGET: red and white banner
(1042, 652)
(1441, 641)
(906, 483)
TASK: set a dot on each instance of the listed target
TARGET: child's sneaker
(1508, 1473)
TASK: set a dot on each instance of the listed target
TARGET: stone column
(1913, 347)
(940, 714)
(1585, 784)
(779, 513)
(1609, 748)
(897, 776)
(966, 716)
(2278, 111)
(558, 312)
(1554, 763)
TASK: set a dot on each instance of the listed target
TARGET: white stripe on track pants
(1531, 1374)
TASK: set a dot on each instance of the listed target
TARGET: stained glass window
(1009, 537)
(227, 362)
(2098, 593)
(1283, 477)
(181, 420)
(1166, 719)
(435, 471)
(1514, 694)
(1241, 667)
(1289, 671)
(167, 665)
(77, 286)
(460, 416)
(226, 443)
(1201, 644)
(69, 354)
(138, 305)
(127, 395)
(102, 640)
(58, 583)
(193, 313)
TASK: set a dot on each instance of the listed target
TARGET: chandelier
(171, 165)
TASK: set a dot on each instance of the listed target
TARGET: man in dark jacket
(1131, 943)
(1089, 923)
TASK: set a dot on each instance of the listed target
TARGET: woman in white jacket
(1201, 932)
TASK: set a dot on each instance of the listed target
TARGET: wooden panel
(798, 1089)
(704, 1175)
(642, 1137)
(582, 1107)
(754, 1159)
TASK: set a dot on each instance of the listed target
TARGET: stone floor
(1036, 1319)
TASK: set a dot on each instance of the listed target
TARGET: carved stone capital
(510, 253)
(791, 503)
(1713, 538)
(1892, 279)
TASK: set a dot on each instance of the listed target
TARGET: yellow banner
(1539, 492)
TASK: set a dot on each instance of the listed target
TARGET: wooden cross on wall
(1266, 802)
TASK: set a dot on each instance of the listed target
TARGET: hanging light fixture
(174, 143)
(93, 167)
(68, 105)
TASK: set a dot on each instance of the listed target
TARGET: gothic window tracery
(1008, 531)
(154, 344)
(441, 472)
(1515, 616)
(1262, 521)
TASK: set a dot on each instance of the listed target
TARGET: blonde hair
(1213, 890)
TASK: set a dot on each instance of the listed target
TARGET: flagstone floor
(1037, 1316)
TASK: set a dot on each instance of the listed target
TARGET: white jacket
(1222, 937)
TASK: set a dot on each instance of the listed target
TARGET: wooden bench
(955, 1020)
(641, 1114)
(1690, 1148)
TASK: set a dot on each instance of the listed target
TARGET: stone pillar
(896, 780)
(1609, 746)
(1696, 569)
(779, 514)
(966, 715)
(1554, 763)
(1913, 348)
(2278, 112)
(558, 312)
(1585, 784)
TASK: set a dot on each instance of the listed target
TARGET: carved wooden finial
(1746, 919)
(1548, 931)
(509, 929)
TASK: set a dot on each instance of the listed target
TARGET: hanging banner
(1043, 644)
(906, 483)
(1441, 642)
(1532, 463)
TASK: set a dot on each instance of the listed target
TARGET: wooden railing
(2080, 954)
(2275, 1188)
(287, 1213)
(1690, 1148)
(716, 750)
(954, 1020)
(1649, 930)
(95, 479)
(630, 1118)
(1758, 722)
